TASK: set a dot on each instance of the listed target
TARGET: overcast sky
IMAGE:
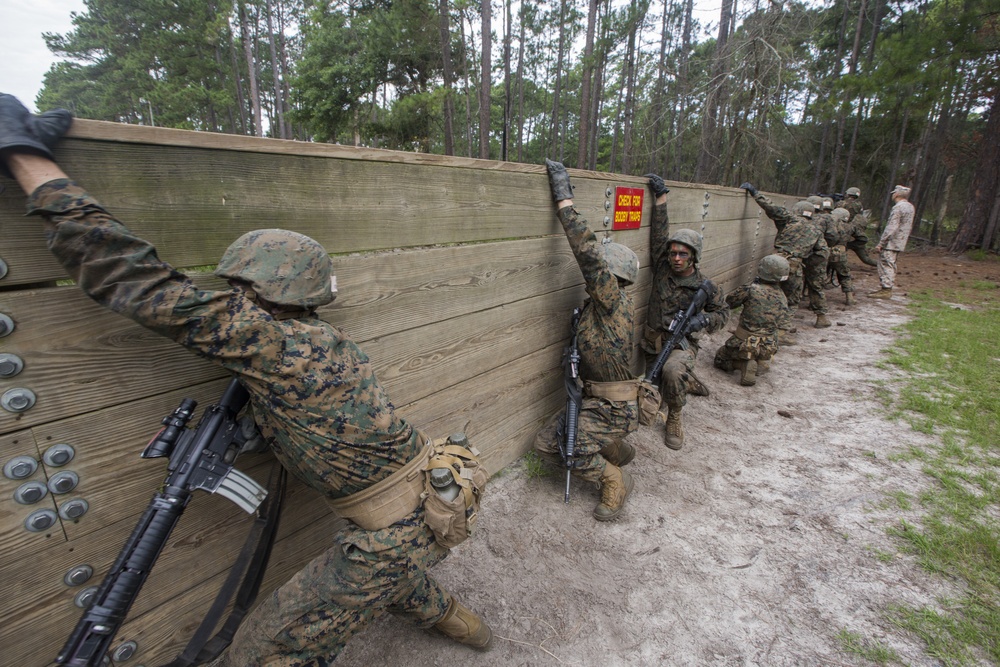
(24, 60)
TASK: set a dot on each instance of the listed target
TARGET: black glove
(656, 185)
(558, 181)
(23, 131)
(698, 322)
(751, 190)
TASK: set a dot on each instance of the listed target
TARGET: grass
(951, 388)
(874, 651)
(534, 467)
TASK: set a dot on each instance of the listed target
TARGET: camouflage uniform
(604, 340)
(764, 305)
(672, 294)
(317, 402)
(798, 239)
(837, 236)
(858, 225)
(893, 241)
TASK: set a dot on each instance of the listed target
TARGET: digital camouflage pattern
(605, 343)
(798, 239)
(671, 294)
(854, 207)
(842, 233)
(316, 401)
(893, 241)
(764, 307)
(283, 267)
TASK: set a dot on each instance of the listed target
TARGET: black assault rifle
(571, 364)
(199, 459)
(679, 328)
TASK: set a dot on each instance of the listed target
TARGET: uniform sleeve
(659, 233)
(895, 217)
(717, 310)
(820, 247)
(737, 297)
(602, 285)
(123, 273)
(779, 214)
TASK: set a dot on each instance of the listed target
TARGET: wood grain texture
(455, 278)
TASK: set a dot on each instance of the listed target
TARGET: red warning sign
(628, 208)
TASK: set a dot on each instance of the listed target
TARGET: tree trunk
(630, 76)
(683, 86)
(895, 166)
(557, 88)
(449, 101)
(984, 189)
(520, 85)
(659, 91)
(708, 155)
(942, 211)
(247, 39)
(468, 88)
(486, 83)
(275, 73)
(587, 76)
(505, 143)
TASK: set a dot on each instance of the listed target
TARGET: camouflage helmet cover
(841, 214)
(853, 192)
(827, 204)
(690, 238)
(815, 200)
(804, 208)
(773, 269)
(622, 261)
(283, 267)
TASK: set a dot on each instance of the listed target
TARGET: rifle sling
(249, 567)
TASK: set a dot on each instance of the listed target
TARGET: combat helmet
(804, 208)
(773, 269)
(853, 192)
(283, 267)
(827, 204)
(691, 239)
(841, 214)
(622, 261)
(816, 201)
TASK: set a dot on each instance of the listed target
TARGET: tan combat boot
(786, 338)
(748, 373)
(673, 430)
(822, 321)
(616, 484)
(465, 627)
(849, 298)
(882, 293)
(619, 453)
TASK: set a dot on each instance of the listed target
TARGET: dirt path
(756, 544)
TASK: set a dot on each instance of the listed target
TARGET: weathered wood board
(454, 277)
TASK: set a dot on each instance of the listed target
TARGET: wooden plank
(70, 345)
(170, 604)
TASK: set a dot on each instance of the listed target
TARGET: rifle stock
(199, 459)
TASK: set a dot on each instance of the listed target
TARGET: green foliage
(871, 650)
(534, 467)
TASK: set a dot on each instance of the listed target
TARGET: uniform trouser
(602, 424)
(815, 278)
(887, 268)
(737, 349)
(675, 375)
(307, 621)
(793, 293)
(838, 264)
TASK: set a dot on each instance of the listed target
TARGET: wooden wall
(454, 277)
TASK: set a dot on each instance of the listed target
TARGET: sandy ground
(756, 544)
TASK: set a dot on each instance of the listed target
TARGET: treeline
(795, 97)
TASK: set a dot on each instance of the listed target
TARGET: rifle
(571, 363)
(198, 459)
(679, 328)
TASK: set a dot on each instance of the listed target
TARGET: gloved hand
(751, 190)
(558, 181)
(698, 322)
(656, 185)
(22, 130)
